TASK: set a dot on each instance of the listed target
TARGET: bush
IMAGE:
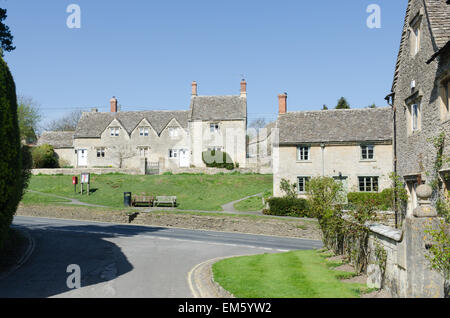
(287, 206)
(217, 159)
(44, 157)
(12, 175)
(380, 200)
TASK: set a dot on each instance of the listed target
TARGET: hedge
(381, 200)
(44, 156)
(287, 206)
(217, 159)
(11, 173)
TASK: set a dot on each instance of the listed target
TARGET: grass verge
(298, 274)
(250, 204)
(194, 192)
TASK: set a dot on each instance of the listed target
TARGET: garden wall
(77, 171)
(407, 272)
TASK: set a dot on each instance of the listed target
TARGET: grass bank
(194, 192)
(299, 274)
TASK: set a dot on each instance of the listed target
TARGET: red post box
(75, 180)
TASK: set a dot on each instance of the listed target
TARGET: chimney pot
(194, 88)
(282, 103)
(243, 88)
(113, 103)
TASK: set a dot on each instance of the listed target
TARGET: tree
(325, 107)
(6, 39)
(372, 106)
(29, 117)
(44, 156)
(66, 123)
(342, 104)
(121, 153)
(12, 181)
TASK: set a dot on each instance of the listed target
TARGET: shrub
(287, 206)
(12, 176)
(217, 159)
(44, 157)
(379, 200)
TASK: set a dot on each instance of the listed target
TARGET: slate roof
(92, 124)
(337, 125)
(57, 139)
(218, 107)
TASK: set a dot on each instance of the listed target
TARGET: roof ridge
(338, 110)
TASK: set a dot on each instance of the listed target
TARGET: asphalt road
(125, 260)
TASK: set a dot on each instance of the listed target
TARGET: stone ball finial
(425, 209)
(424, 192)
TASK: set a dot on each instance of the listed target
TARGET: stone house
(353, 146)
(62, 142)
(420, 94)
(170, 139)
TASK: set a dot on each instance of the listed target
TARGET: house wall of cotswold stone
(345, 159)
(231, 137)
(66, 154)
(127, 146)
(415, 152)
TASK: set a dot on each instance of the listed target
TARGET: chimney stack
(243, 88)
(194, 88)
(113, 102)
(282, 103)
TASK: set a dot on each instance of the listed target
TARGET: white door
(82, 157)
(184, 158)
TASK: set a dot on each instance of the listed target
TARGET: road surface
(125, 260)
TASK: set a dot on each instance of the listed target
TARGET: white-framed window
(445, 98)
(214, 148)
(114, 131)
(143, 131)
(367, 152)
(144, 152)
(301, 184)
(303, 153)
(173, 153)
(100, 152)
(173, 132)
(214, 127)
(368, 184)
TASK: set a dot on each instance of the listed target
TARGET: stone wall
(407, 272)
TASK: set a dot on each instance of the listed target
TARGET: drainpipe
(323, 159)
(390, 100)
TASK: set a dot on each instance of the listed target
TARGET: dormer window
(114, 131)
(143, 131)
(173, 132)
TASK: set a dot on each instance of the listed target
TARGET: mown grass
(250, 204)
(36, 198)
(298, 274)
(194, 192)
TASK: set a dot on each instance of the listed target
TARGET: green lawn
(250, 204)
(36, 198)
(299, 274)
(194, 192)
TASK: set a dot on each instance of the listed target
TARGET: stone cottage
(420, 95)
(353, 146)
(62, 142)
(170, 139)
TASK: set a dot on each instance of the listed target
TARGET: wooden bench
(142, 199)
(172, 200)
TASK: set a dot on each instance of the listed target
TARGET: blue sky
(147, 53)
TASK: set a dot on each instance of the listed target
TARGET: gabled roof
(337, 125)
(438, 15)
(92, 124)
(218, 107)
(57, 139)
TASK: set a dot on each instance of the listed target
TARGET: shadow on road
(58, 246)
